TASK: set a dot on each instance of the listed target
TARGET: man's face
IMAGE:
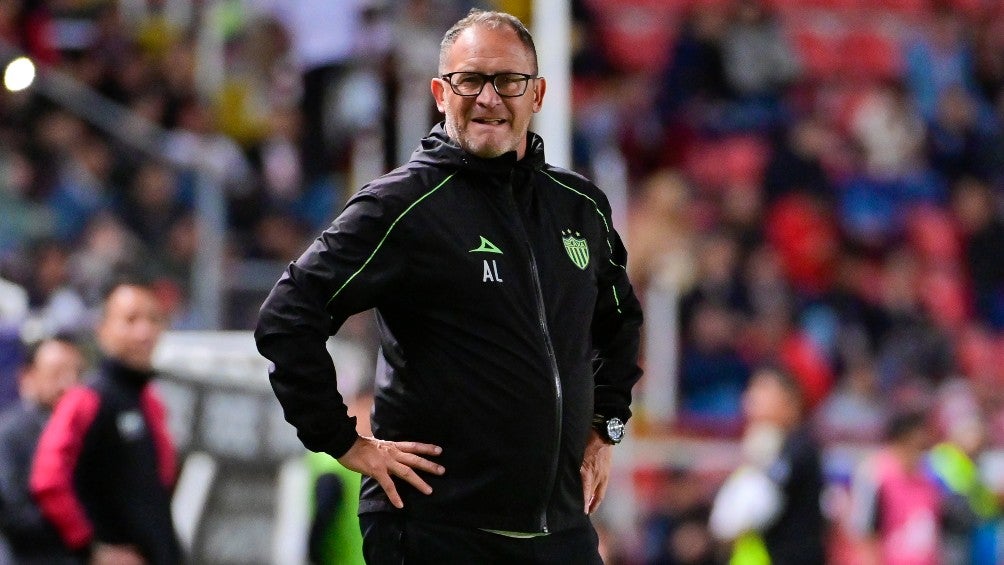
(57, 367)
(766, 401)
(131, 326)
(488, 125)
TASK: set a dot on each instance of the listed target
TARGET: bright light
(19, 75)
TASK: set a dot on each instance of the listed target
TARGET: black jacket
(507, 320)
(32, 539)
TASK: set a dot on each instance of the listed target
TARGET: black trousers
(391, 539)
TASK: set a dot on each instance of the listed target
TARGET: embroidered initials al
(491, 272)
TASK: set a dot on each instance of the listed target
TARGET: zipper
(551, 357)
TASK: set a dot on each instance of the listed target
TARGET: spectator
(695, 80)
(913, 351)
(661, 236)
(855, 410)
(334, 537)
(21, 217)
(153, 202)
(105, 464)
(107, 250)
(938, 58)
(956, 138)
(783, 519)
(675, 530)
(324, 55)
(798, 164)
(954, 463)
(896, 504)
(759, 64)
(53, 366)
(55, 306)
(983, 238)
(13, 312)
(712, 373)
(83, 186)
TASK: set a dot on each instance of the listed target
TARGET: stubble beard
(486, 149)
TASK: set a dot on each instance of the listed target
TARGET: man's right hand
(380, 459)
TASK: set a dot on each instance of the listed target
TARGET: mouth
(489, 121)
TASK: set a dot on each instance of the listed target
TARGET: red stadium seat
(945, 297)
(819, 52)
(637, 34)
(932, 232)
(870, 55)
(911, 8)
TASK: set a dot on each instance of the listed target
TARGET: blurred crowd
(819, 183)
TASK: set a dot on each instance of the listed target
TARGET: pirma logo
(486, 247)
(576, 247)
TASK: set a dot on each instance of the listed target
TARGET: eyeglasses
(507, 85)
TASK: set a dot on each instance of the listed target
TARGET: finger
(416, 447)
(587, 488)
(411, 477)
(421, 464)
(598, 496)
(387, 484)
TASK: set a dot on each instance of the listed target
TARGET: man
(52, 366)
(498, 281)
(105, 464)
(896, 505)
(770, 508)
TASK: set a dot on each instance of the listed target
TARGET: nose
(147, 328)
(488, 95)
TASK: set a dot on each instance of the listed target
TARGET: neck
(119, 370)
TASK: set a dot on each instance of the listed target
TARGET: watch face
(615, 429)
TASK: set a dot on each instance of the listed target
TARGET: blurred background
(816, 185)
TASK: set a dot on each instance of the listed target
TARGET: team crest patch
(576, 247)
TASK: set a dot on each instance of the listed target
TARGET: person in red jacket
(105, 464)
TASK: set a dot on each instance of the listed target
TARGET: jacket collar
(114, 369)
(439, 149)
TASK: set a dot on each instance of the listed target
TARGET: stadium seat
(909, 8)
(870, 55)
(737, 160)
(819, 51)
(637, 34)
(945, 297)
(932, 232)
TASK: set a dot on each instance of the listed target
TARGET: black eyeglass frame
(485, 79)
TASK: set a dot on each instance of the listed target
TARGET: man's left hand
(595, 471)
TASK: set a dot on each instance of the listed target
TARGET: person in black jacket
(772, 503)
(509, 328)
(52, 366)
(105, 463)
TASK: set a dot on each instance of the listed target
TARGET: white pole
(552, 23)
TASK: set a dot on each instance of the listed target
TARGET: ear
(439, 93)
(538, 94)
(26, 383)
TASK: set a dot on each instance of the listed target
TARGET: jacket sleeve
(55, 463)
(21, 521)
(346, 270)
(616, 326)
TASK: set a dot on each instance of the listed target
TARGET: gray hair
(490, 20)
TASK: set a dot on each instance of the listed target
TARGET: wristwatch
(610, 429)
